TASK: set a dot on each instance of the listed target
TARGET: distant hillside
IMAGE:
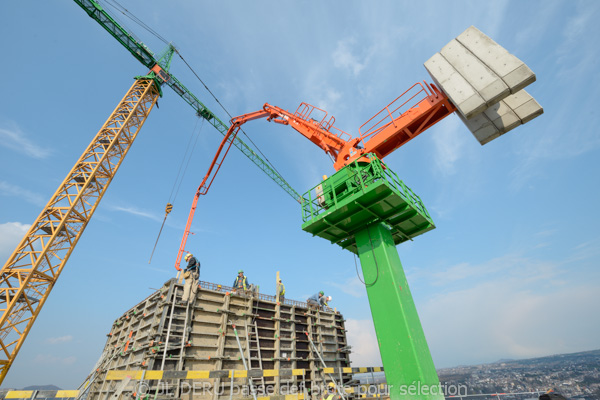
(582, 356)
(42, 387)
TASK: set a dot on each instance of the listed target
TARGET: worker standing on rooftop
(281, 291)
(323, 302)
(241, 282)
(191, 274)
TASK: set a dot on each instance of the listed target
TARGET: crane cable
(114, 4)
(186, 159)
(142, 24)
(227, 112)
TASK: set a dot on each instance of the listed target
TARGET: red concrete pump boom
(413, 112)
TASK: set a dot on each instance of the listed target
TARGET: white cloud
(137, 212)
(8, 189)
(344, 57)
(16, 140)
(362, 338)
(502, 319)
(11, 234)
(513, 306)
(60, 339)
(449, 145)
(352, 286)
(48, 359)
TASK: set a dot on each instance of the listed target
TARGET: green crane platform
(366, 209)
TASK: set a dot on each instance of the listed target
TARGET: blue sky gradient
(511, 271)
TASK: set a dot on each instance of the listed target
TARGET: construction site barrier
(157, 374)
(68, 394)
(41, 394)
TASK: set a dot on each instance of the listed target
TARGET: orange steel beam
(32, 270)
(412, 113)
(417, 110)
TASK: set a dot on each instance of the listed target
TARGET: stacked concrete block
(513, 72)
(503, 116)
(485, 83)
(160, 334)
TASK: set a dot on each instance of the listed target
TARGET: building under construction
(166, 349)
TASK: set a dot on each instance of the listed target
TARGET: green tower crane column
(367, 210)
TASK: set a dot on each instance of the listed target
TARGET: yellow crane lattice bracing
(31, 271)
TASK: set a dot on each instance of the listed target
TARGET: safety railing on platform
(402, 104)
(222, 288)
(329, 193)
(309, 112)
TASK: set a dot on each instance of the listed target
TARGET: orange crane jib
(411, 113)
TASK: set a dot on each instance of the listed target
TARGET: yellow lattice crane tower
(32, 270)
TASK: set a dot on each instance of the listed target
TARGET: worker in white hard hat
(315, 300)
(323, 300)
(191, 274)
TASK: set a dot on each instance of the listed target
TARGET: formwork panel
(159, 334)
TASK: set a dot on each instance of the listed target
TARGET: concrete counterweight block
(524, 105)
(504, 116)
(468, 101)
(514, 72)
(475, 72)
(485, 81)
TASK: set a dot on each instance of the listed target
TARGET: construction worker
(241, 282)
(314, 301)
(281, 291)
(323, 301)
(330, 394)
(191, 274)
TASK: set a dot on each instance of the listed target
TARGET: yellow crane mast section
(31, 271)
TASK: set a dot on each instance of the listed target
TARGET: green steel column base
(407, 362)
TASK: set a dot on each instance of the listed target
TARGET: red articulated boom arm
(217, 161)
(412, 113)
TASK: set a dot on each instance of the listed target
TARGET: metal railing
(388, 114)
(261, 296)
(315, 202)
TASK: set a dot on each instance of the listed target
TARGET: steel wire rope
(141, 23)
(115, 4)
(179, 177)
(227, 112)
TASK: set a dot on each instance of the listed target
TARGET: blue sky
(509, 272)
